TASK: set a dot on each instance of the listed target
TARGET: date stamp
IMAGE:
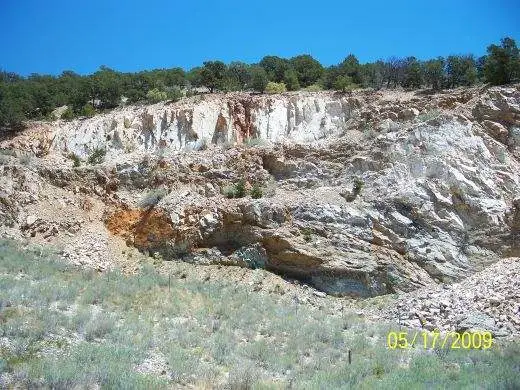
(436, 339)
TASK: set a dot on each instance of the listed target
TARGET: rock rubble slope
(364, 194)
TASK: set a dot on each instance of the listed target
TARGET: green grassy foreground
(62, 327)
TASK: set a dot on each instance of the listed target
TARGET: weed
(256, 192)
(237, 190)
(98, 327)
(97, 156)
(76, 161)
(307, 234)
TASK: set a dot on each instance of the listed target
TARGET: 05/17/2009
(435, 339)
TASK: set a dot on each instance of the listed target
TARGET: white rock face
(212, 119)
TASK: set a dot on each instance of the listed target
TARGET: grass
(72, 328)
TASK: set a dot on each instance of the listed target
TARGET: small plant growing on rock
(307, 234)
(256, 192)
(97, 156)
(427, 116)
(240, 188)
(76, 162)
(229, 191)
(356, 190)
(25, 159)
(237, 190)
(358, 186)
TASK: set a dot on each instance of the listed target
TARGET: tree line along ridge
(37, 96)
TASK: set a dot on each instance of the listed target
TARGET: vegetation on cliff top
(37, 96)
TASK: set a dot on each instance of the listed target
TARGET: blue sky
(51, 36)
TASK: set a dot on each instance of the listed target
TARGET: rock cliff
(363, 194)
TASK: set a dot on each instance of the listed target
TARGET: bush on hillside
(273, 87)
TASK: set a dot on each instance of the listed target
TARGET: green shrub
(127, 123)
(68, 114)
(273, 87)
(237, 190)
(155, 95)
(240, 188)
(307, 234)
(229, 191)
(174, 93)
(313, 88)
(256, 192)
(98, 327)
(97, 156)
(344, 83)
(75, 159)
(88, 110)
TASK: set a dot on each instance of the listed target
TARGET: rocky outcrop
(486, 301)
(363, 194)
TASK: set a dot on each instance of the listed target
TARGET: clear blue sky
(51, 36)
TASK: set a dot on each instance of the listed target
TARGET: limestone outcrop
(362, 194)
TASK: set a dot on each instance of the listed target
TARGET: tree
(307, 69)
(373, 74)
(344, 83)
(12, 106)
(238, 75)
(502, 64)
(433, 71)
(412, 73)
(291, 80)
(460, 70)
(394, 71)
(105, 85)
(350, 67)
(194, 77)
(259, 79)
(174, 77)
(275, 67)
(213, 74)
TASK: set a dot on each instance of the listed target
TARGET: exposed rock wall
(365, 194)
(207, 119)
